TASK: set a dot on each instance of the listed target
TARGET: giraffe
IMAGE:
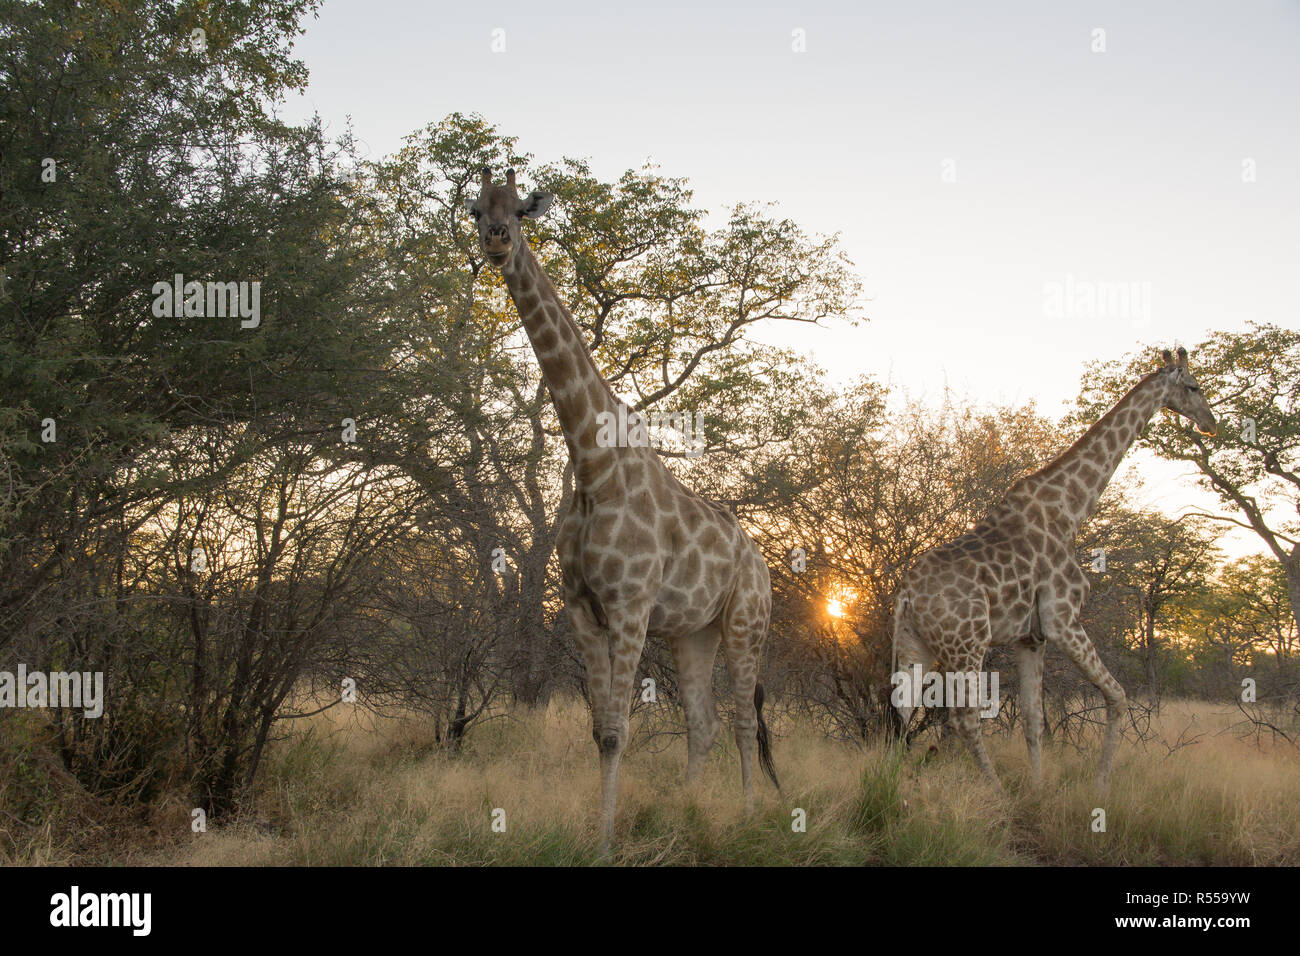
(640, 553)
(1014, 578)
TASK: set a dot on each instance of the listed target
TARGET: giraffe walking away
(1015, 577)
(639, 552)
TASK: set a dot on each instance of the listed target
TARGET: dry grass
(357, 790)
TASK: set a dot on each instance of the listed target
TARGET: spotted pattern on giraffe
(640, 553)
(1015, 578)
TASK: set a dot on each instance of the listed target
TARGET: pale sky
(1123, 170)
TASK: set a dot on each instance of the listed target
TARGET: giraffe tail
(901, 606)
(764, 739)
(895, 727)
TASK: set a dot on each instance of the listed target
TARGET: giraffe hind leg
(966, 714)
(744, 632)
(966, 720)
(694, 655)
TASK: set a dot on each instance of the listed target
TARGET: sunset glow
(838, 601)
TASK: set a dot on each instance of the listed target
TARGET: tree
(871, 489)
(1253, 464)
(140, 143)
(1153, 564)
(668, 307)
(1243, 620)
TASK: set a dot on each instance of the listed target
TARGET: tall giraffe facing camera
(640, 553)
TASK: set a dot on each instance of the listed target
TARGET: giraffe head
(498, 211)
(1182, 393)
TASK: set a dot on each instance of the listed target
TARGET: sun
(839, 601)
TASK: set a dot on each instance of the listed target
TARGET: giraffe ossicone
(1015, 578)
(640, 553)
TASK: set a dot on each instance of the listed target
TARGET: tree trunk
(1149, 638)
(1291, 567)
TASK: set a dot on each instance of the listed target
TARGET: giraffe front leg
(626, 638)
(1079, 648)
(1030, 653)
(593, 644)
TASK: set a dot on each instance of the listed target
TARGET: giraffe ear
(535, 204)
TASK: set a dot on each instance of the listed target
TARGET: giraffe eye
(1193, 388)
(476, 214)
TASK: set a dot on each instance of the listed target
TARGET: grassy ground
(354, 792)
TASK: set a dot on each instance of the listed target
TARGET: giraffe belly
(1010, 617)
(691, 595)
(1010, 629)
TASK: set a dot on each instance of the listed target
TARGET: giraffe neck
(1081, 473)
(579, 391)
